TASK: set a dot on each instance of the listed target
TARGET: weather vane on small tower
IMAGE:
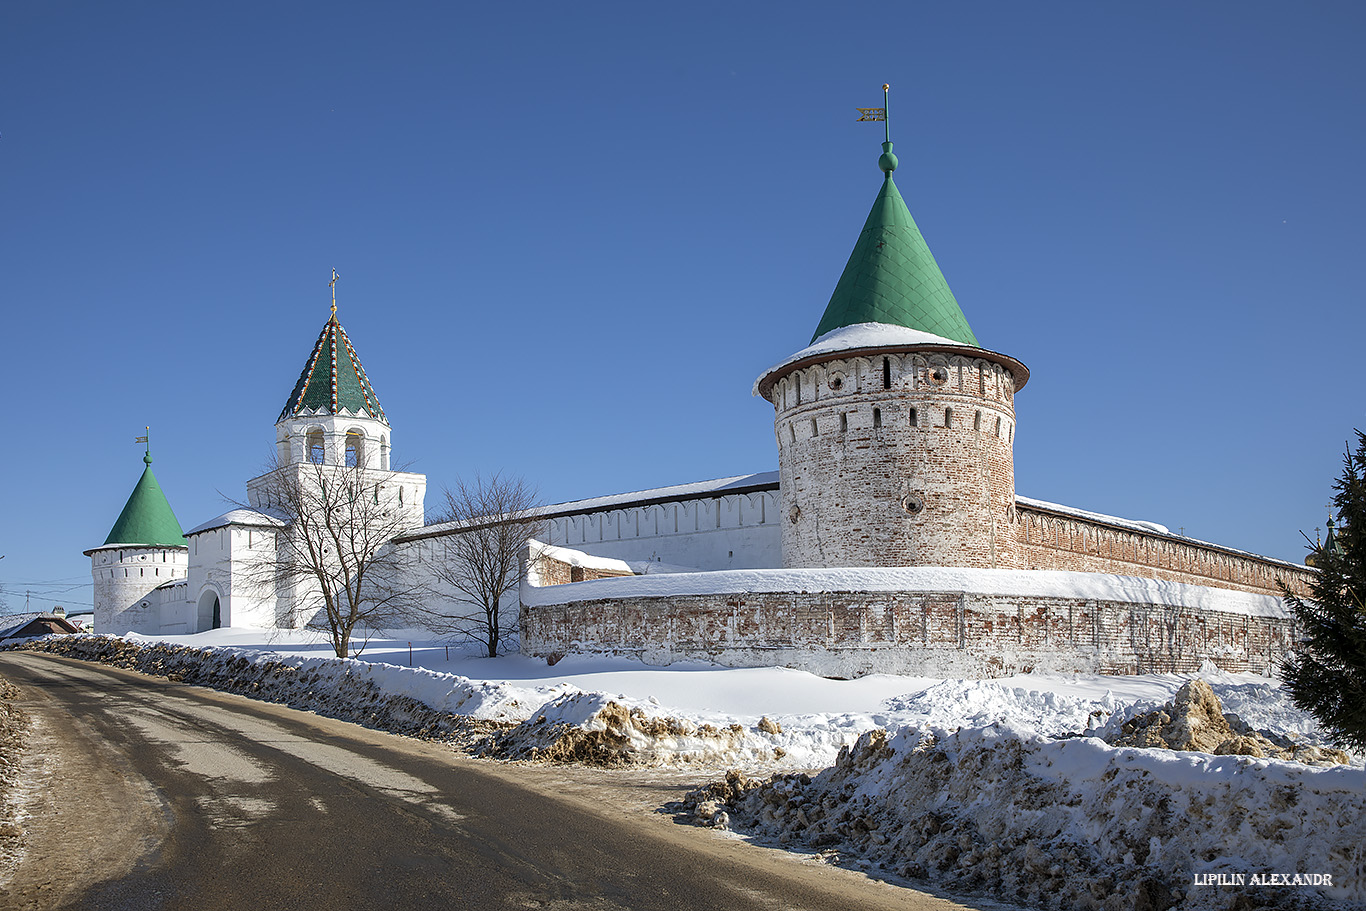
(145, 439)
(887, 161)
(333, 285)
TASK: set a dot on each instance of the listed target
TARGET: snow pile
(1072, 823)
(595, 729)
(14, 728)
(1195, 720)
(349, 690)
(977, 703)
(548, 723)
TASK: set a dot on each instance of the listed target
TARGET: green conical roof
(147, 519)
(891, 276)
(333, 381)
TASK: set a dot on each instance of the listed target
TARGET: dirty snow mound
(1069, 824)
(339, 688)
(1195, 720)
(596, 729)
(14, 729)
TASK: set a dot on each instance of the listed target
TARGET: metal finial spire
(886, 161)
(147, 454)
(333, 285)
(886, 115)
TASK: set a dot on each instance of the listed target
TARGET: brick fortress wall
(1052, 540)
(897, 459)
(935, 633)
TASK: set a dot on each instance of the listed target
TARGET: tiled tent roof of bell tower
(333, 380)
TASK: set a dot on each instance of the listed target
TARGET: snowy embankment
(1000, 787)
(1068, 823)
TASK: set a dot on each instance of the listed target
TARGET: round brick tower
(895, 428)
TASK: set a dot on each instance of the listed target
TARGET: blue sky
(571, 236)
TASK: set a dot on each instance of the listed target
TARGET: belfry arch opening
(355, 449)
(315, 446)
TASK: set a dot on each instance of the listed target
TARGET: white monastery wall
(231, 562)
(730, 531)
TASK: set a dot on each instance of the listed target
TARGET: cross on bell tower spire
(333, 285)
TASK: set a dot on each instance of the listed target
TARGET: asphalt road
(148, 794)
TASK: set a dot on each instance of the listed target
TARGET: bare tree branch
(335, 566)
(495, 516)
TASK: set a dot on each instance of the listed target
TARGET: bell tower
(333, 420)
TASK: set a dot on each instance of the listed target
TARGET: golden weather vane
(333, 285)
(879, 114)
(887, 162)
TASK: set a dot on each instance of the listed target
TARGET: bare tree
(479, 559)
(334, 563)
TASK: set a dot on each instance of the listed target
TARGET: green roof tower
(895, 428)
(891, 276)
(147, 519)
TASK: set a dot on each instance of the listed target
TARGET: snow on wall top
(1149, 528)
(242, 516)
(1026, 583)
(1136, 524)
(695, 491)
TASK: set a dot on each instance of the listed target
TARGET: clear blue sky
(571, 235)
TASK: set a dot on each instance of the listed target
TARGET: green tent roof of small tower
(147, 519)
(891, 276)
(333, 381)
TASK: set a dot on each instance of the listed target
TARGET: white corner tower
(144, 551)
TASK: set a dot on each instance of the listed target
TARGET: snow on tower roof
(891, 277)
(147, 519)
(242, 516)
(861, 337)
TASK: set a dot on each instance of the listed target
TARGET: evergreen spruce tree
(1326, 673)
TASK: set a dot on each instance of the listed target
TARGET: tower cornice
(876, 339)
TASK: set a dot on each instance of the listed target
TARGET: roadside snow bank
(1065, 824)
(558, 723)
(595, 729)
(376, 695)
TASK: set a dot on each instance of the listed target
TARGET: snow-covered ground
(1013, 774)
(817, 715)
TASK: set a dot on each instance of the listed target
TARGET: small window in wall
(998, 427)
(792, 432)
(877, 417)
(913, 418)
(977, 421)
(400, 496)
(948, 417)
(384, 453)
(844, 422)
(886, 373)
(316, 449)
(815, 431)
(798, 381)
